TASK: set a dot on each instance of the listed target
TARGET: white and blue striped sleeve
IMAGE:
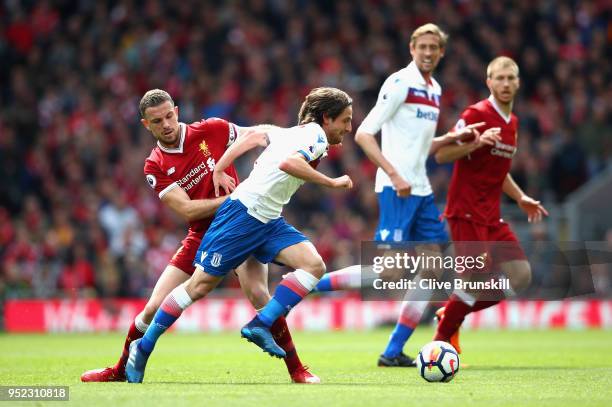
(315, 143)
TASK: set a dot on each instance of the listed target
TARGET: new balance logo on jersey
(427, 115)
(171, 171)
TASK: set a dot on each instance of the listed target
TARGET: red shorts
(498, 241)
(183, 258)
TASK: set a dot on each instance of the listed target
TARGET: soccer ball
(438, 362)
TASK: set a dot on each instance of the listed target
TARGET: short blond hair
(429, 28)
(502, 62)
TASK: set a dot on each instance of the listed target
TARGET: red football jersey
(476, 185)
(191, 164)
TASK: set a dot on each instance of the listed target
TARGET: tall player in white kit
(406, 113)
(250, 222)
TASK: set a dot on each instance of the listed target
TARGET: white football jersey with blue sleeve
(267, 189)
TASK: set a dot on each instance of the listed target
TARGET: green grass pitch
(520, 368)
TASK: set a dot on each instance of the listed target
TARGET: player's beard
(170, 139)
(337, 139)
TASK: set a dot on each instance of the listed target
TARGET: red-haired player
(481, 174)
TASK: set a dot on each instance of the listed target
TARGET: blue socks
(161, 322)
(398, 339)
(294, 287)
(169, 311)
(324, 284)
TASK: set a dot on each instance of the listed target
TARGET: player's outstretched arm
(456, 136)
(459, 149)
(178, 200)
(534, 209)
(297, 166)
(453, 152)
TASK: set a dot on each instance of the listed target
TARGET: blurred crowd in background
(77, 218)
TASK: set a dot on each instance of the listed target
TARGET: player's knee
(150, 309)
(197, 289)
(316, 266)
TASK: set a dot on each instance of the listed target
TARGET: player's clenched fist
(344, 182)
(401, 186)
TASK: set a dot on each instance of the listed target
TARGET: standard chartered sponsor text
(199, 172)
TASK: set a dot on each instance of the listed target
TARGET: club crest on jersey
(215, 261)
(204, 149)
(151, 180)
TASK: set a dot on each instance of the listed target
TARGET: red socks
(282, 336)
(454, 313)
(132, 335)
